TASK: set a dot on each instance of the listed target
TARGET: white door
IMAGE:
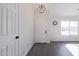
(8, 30)
(41, 30)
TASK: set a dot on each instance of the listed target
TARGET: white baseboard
(26, 52)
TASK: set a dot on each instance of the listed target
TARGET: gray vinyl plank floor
(52, 49)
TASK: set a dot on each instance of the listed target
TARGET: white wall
(57, 12)
(63, 9)
(41, 24)
(54, 32)
(60, 12)
(25, 28)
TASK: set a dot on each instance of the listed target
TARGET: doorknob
(16, 37)
(45, 31)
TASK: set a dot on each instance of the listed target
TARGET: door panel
(41, 30)
(8, 29)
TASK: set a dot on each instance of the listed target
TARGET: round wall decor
(54, 22)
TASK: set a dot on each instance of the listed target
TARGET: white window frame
(68, 31)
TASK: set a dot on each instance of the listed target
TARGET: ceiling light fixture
(41, 8)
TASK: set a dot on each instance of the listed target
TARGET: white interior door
(8, 30)
(41, 30)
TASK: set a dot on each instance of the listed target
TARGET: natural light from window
(69, 27)
(73, 48)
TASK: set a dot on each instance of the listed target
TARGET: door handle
(16, 37)
(45, 31)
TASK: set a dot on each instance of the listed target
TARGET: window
(69, 28)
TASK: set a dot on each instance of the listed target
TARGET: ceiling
(63, 9)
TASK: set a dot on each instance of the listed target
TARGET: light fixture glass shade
(41, 8)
